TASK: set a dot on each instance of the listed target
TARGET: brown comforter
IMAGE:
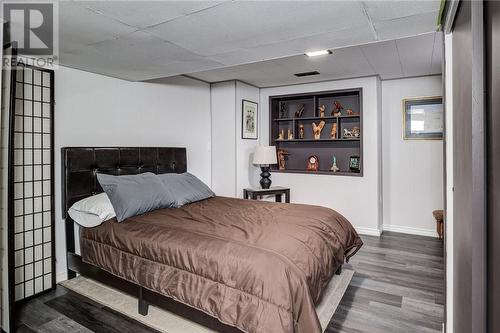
(256, 265)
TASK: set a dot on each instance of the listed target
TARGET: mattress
(255, 265)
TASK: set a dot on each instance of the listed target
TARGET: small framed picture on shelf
(423, 118)
(249, 121)
(354, 164)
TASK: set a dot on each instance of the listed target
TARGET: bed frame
(79, 180)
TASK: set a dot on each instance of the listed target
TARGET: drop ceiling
(407, 57)
(143, 40)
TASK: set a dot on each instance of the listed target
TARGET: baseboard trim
(368, 231)
(410, 230)
(61, 276)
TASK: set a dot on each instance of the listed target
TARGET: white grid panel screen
(33, 183)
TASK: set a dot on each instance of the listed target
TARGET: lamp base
(265, 182)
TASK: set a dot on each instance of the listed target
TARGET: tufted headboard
(81, 164)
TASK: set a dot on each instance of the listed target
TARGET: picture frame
(249, 120)
(354, 163)
(423, 118)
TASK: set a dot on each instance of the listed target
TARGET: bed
(230, 264)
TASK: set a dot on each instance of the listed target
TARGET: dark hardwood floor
(398, 286)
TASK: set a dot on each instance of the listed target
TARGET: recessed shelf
(320, 172)
(296, 152)
(316, 118)
(319, 140)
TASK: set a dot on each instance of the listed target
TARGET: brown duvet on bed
(258, 266)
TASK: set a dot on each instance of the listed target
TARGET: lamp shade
(265, 155)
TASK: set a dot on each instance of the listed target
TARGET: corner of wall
(379, 157)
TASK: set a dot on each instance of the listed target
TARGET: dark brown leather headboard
(81, 164)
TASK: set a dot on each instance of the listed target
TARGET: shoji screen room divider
(31, 184)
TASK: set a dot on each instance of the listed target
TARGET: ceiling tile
(383, 57)
(437, 55)
(297, 46)
(79, 27)
(142, 14)
(415, 54)
(406, 26)
(387, 10)
(248, 24)
(145, 48)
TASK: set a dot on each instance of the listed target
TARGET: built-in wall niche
(291, 130)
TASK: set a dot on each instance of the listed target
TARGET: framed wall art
(423, 118)
(249, 121)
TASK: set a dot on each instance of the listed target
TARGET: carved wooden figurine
(333, 132)
(290, 134)
(282, 154)
(337, 109)
(300, 111)
(322, 111)
(281, 135)
(301, 131)
(349, 112)
(317, 129)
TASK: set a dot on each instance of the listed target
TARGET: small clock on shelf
(313, 163)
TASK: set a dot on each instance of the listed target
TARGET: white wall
(357, 198)
(413, 169)
(231, 155)
(246, 174)
(223, 102)
(95, 110)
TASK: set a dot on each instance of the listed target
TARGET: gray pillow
(186, 188)
(133, 195)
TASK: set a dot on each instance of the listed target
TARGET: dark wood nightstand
(277, 191)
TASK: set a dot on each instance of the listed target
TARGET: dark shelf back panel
(348, 102)
(299, 153)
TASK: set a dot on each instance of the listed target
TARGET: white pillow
(92, 211)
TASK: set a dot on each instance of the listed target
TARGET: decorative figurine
(353, 133)
(300, 111)
(281, 135)
(322, 111)
(317, 129)
(290, 134)
(313, 163)
(354, 163)
(349, 112)
(282, 154)
(334, 167)
(337, 109)
(333, 132)
(282, 110)
(301, 131)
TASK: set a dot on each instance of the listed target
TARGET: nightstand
(277, 191)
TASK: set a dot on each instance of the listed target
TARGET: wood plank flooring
(398, 286)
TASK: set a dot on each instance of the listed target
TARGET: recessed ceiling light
(318, 53)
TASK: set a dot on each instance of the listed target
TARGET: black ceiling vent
(306, 74)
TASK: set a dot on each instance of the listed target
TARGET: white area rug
(168, 322)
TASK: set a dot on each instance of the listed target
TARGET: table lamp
(265, 156)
